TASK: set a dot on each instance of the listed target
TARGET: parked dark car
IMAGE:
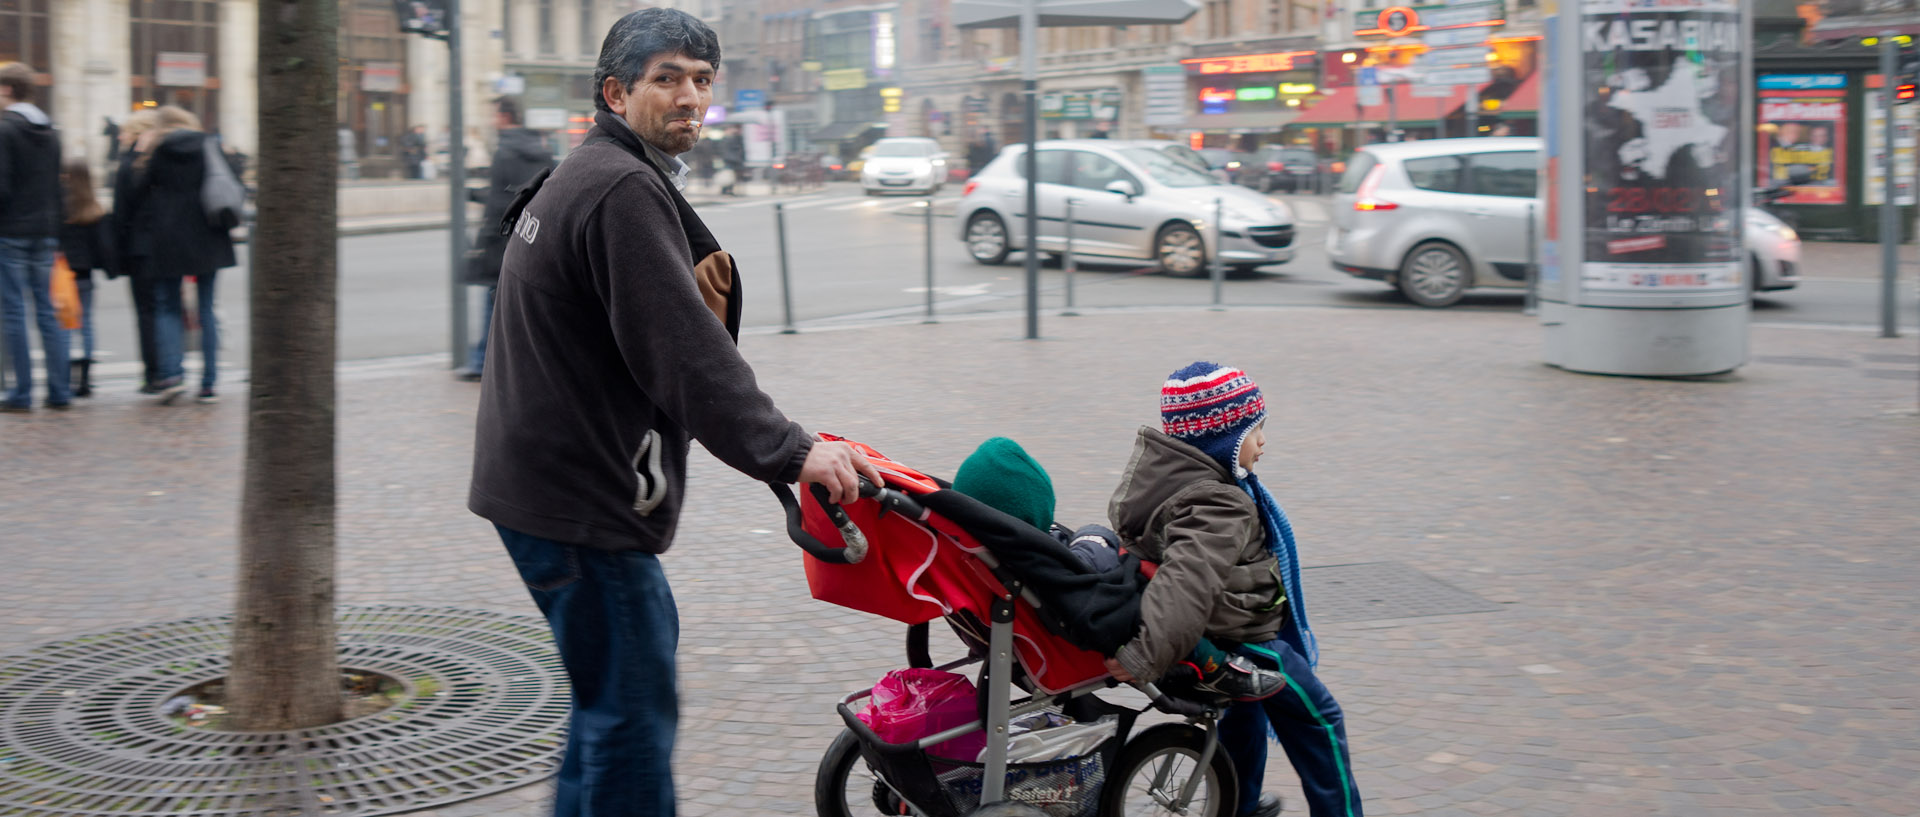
(1278, 167)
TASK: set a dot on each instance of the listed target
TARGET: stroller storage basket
(949, 787)
(1065, 787)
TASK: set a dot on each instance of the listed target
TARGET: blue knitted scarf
(1279, 532)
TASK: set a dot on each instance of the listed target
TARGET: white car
(1131, 200)
(1441, 216)
(906, 164)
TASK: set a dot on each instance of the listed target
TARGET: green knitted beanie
(1001, 475)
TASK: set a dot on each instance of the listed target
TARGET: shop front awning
(1341, 106)
(1524, 99)
(1248, 122)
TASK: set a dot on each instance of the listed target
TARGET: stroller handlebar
(856, 541)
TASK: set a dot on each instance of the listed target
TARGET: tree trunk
(285, 672)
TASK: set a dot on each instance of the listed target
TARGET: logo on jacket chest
(528, 228)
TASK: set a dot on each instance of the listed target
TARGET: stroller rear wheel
(845, 787)
(1153, 769)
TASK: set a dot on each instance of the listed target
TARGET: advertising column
(1645, 187)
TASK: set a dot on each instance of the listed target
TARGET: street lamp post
(457, 156)
(1029, 83)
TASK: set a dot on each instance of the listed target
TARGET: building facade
(825, 76)
(99, 60)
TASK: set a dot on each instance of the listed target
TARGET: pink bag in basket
(910, 704)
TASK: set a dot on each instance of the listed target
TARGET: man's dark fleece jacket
(604, 360)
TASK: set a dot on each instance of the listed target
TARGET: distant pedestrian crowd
(176, 196)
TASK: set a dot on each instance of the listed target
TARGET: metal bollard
(929, 318)
(1533, 268)
(1066, 260)
(786, 283)
(1216, 268)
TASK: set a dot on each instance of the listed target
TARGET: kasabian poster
(1803, 135)
(1663, 112)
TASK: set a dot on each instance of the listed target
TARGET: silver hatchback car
(1441, 216)
(1131, 200)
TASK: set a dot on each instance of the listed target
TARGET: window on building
(590, 35)
(506, 25)
(186, 33)
(26, 36)
(1219, 19)
(545, 27)
(373, 84)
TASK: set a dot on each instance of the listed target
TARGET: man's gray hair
(640, 36)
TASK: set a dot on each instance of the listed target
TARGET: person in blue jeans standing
(170, 239)
(520, 156)
(612, 350)
(30, 217)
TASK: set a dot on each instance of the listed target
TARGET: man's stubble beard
(663, 136)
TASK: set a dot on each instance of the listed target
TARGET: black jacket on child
(89, 247)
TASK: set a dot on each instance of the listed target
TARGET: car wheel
(987, 238)
(1753, 279)
(1180, 251)
(1435, 275)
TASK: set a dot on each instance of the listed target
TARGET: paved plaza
(1697, 597)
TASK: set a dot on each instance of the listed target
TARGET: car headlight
(1786, 232)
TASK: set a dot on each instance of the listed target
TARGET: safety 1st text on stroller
(912, 550)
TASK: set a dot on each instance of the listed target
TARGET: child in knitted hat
(1004, 477)
(1228, 571)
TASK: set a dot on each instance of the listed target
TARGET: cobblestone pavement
(1705, 589)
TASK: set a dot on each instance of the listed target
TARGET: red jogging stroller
(913, 550)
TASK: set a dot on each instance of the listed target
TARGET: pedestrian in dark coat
(120, 231)
(980, 151)
(112, 132)
(733, 154)
(520, 155)
(30, 216)
(170, 238)
(413, 149)
(87, 244)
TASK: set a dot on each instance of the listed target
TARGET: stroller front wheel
(1154, 767)
(845, 787)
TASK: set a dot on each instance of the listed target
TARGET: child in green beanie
(1001, 475)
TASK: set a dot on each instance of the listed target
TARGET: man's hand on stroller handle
(838, 467)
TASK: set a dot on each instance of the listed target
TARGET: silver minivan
(1438, 217)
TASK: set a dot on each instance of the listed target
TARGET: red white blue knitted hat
(1212, 407)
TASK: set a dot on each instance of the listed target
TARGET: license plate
(897, 182)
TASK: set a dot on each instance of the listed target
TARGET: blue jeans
(26, 271)
(1307, 720)
(84, 283)
(477, 361)
(614, 620)
(169, 330)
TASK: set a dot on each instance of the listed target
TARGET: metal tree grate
(82, 734)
